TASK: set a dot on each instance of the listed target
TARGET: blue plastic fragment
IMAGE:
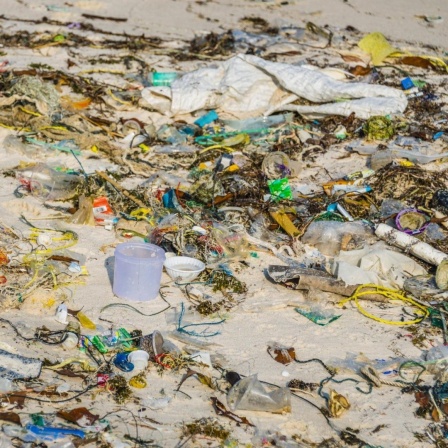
(206, 119)
(51, 433)
(407, 83)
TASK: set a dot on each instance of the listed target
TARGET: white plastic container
(183, 269)
(138, 271)
(139, 358)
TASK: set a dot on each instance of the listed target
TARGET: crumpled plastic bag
(376, 265)
(246, 86)
(328, 236)
(84, 214)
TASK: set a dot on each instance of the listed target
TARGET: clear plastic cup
(138, 271)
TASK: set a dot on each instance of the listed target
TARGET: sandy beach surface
(386, 417)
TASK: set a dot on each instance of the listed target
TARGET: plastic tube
(410, 244)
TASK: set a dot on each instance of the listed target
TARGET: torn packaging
(246, 86)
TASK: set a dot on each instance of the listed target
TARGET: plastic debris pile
(185, 185)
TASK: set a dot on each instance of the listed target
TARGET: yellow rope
(391, 294)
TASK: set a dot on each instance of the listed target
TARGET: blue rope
(182, 328)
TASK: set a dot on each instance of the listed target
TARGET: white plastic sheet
(377, 265)
(246, 86)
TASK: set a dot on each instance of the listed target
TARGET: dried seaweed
(208, 427)
(412, 185)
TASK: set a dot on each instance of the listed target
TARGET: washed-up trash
(15, 367)
(183, 269)
(138, 271)
(331, 236)
(280, 189)
(48, 184)
(139, 359)
(258, 81)
(306, 279)
(48, 433)
(442, 275)
(409, 243)
(412, 221)
(152, 344)
(377, 46)
(277, 165)
(318, 315)
(249, 394)
(337, 404)
(375, 264)
(85, 214)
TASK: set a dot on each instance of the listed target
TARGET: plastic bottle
(47, 183)
(163, 78)
(85, 321)
(171, 135)
(72, 336)
(437, 358)
(259, 123)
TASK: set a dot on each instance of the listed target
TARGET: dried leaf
(11, 417)
(359, 70)
(220, 409)
(435, 415)
(18, 399)
(73, 312)
(416, 61)
(282, 355)
(202, 378)
(351, 58)
(81, 416)
(70, 373)
(422, 398)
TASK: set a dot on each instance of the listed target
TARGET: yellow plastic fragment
(378, 47)
(138, 382)
(85, 321)
(285, 223)
(144, 148)
(232, 168)
(84, 365)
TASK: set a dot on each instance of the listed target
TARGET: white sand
(265, 315)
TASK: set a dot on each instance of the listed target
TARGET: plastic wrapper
(375, 264)
(233, 243)
(249, 394)
(246, 86)
(327, 236)
(84, 214)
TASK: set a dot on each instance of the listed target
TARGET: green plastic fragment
(280, 188)
(59, 38)
(38, 420)
(419, 83)
(317, 317)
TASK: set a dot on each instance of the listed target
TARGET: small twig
(119, 188)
